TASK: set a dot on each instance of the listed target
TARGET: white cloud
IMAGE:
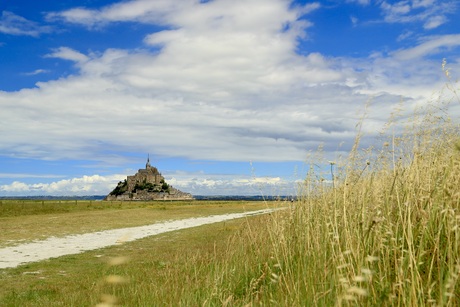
(361, 2)
(434, 22)
(24, 175)
(354, 20)
(406, 34)
(146, 11)
(86, 185)
(215, 184)
(433, 13)
(396, 10)
(430, 45)
(13, 24)
(67, 53)
(423, 3)
(195, 183)
(309, 8)
(36, 72)
(76, 15)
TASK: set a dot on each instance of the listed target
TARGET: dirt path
(52, 247)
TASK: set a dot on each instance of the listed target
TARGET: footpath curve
(11, 257)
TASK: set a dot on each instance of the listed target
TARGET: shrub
(121, 188)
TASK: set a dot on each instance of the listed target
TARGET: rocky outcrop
(146, 184)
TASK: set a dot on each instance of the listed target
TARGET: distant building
(146, 184)
(149, 174)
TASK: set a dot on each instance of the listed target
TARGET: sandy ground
(52, 247)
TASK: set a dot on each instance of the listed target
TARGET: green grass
(37, 220)
(20, 207)
(183, 268)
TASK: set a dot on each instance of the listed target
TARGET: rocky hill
(146, 184)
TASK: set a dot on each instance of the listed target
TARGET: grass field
(22, 221)
(91, 278)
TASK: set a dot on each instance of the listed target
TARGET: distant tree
(150, 187)
(121, 188)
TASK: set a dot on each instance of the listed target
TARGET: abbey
(146, 184)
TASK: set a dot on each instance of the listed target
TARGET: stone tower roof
(147, 165)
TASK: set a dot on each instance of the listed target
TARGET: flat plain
(26, 220)
(91, 278)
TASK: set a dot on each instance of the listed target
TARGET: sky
(227, 97)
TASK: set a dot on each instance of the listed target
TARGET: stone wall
(148, 175)
(146, 196)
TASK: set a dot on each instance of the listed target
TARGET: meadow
(380, 227)
(26, 220)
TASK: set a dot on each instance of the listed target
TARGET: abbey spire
(147, 165)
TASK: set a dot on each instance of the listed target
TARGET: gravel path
(52, 247)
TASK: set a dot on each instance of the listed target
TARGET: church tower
(147, 165)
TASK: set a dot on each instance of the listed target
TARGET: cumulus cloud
(222, 81)
(13, 24)
(86, 185)
(218, 184)
(226, 85)
(195, 183)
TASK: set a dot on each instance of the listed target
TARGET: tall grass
(383, 230)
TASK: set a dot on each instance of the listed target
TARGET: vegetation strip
(11, 257)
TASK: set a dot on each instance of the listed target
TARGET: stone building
(149, 174)
(146, 184)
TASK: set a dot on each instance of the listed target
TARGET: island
(147, 184)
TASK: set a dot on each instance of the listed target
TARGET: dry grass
(386, 231)
(157, 271)
(89, 216)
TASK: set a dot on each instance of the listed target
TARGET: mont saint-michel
(146, 184)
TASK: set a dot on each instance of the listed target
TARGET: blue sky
(227, 96)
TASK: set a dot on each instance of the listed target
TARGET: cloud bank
(222, 80)
(195, 183)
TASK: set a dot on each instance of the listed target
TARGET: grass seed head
(116, 279)
(359, 278)
(117, 261)
(357, 291)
